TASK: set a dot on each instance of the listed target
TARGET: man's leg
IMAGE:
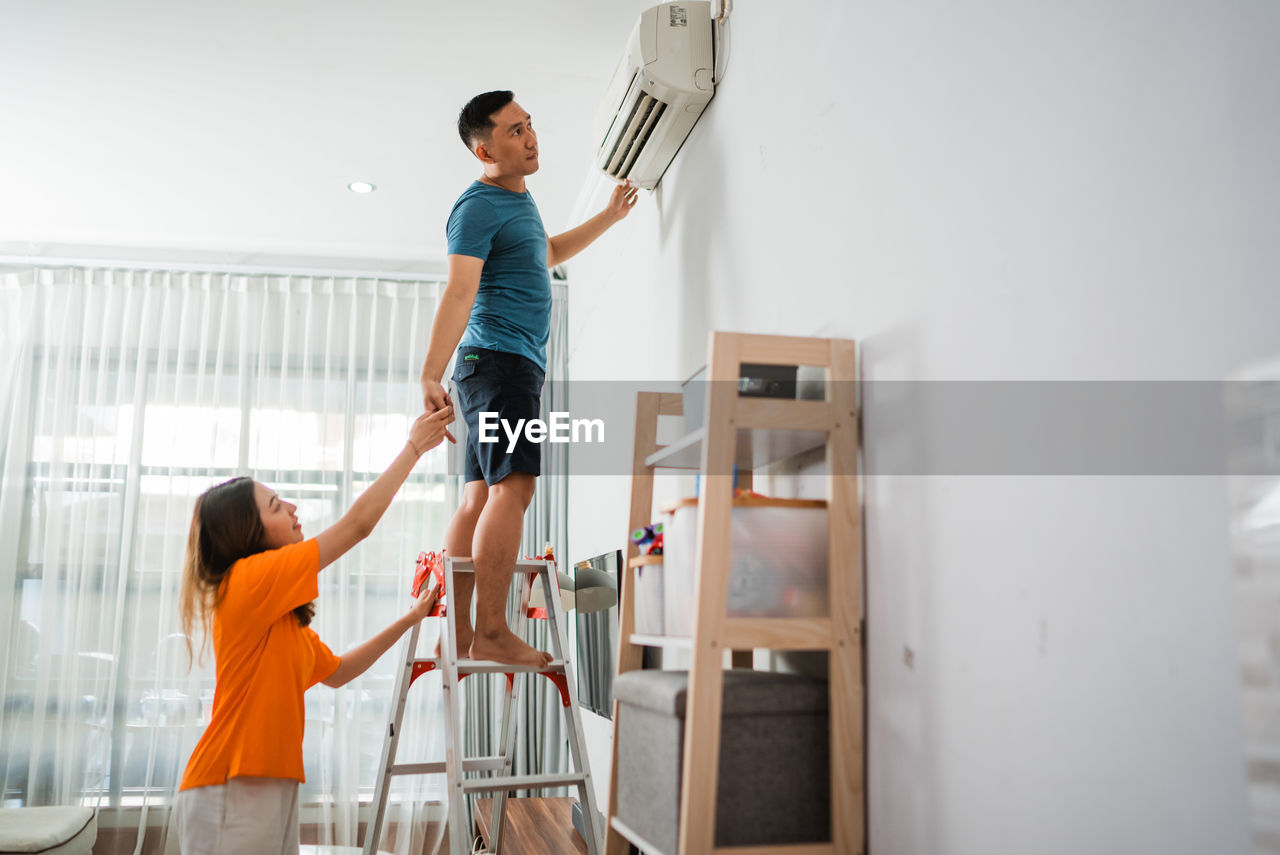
(496, 545)
(458, 537)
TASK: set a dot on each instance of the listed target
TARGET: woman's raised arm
(358, 522)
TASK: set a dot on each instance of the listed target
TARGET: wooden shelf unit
(753, 432)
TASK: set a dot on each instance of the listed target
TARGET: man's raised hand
(623, 199)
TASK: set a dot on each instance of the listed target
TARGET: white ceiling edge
(234, 256)
(28, 254)
(228, 133)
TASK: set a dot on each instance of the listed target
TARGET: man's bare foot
(506, 647)
(465, 634)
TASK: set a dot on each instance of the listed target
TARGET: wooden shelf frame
(730, 423)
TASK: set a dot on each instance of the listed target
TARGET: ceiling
(228, 131)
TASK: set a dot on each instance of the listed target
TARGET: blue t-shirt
(512, 310)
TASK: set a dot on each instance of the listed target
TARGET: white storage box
(648, 597)
(777, 560)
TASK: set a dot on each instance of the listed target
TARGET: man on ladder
(496, 310)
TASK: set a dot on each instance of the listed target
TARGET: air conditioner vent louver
(645, 114)
(660, 88)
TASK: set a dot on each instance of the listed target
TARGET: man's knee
(472, 502)
(518, 486)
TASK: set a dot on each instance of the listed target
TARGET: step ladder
(492, 774)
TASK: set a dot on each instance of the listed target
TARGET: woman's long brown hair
(225, 527)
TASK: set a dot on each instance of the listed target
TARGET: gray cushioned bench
(774, 757)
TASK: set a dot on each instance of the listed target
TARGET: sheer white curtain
(123, 395)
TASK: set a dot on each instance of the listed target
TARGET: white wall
(993, 190)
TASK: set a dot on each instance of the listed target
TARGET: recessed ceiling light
(361, 187)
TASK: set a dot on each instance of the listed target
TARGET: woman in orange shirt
(249, 580)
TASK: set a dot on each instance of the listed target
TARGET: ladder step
(485, 666)
(523, 782)
(474, 764)
(485, 774)
(462, 564)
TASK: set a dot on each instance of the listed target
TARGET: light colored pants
(244, 816)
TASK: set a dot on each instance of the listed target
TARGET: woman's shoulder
(301, 557)
(300, 551)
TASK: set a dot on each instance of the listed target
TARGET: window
(126, 394)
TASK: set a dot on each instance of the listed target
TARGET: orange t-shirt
(264, 663)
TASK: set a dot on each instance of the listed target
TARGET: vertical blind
(124, 393)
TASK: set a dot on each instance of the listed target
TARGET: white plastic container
(778, 560)
(649, 618)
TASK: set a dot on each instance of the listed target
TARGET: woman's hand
(422, 606)
(429, 429)
(358, 659)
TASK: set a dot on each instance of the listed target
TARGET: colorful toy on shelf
(646, 534)
(649, 539)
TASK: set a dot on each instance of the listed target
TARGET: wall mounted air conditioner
(659, 90)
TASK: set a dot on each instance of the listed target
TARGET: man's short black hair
(474, 122)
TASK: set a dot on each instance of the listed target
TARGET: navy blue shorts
(510, 385)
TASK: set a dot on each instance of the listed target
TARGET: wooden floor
(534, 827)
